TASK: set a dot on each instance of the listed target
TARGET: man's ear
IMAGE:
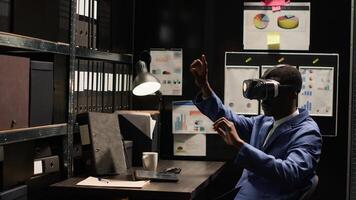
(293, 95)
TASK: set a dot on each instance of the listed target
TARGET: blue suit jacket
(284, 166)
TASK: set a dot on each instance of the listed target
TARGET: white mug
(150, 160)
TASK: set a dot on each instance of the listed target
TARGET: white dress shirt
(279, 122)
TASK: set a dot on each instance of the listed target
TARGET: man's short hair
(286, 75)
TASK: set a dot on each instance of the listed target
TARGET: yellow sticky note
(273, 40)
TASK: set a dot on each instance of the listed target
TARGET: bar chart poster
(187, 119)
(316, 94)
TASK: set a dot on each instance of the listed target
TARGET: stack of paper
(93, 181)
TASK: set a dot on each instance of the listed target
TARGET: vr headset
(263, 89)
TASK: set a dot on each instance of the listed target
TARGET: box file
(14, 90)
(41, 95)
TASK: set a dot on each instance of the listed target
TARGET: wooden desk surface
(194, 177)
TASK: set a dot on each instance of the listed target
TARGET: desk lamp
(145, 83)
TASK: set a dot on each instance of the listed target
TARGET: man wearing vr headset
(279, 150)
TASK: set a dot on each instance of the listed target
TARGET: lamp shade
(145, 83)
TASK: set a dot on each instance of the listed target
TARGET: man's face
(275, 106)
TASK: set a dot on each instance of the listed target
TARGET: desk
(193, 181)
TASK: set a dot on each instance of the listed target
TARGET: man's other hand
(226, 129)
(199, 69)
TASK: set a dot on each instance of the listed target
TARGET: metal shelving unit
(14, 43)
(20, 43)
(101, 55)
(27, 134)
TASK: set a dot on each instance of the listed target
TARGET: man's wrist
(238, 145)
(206, 91)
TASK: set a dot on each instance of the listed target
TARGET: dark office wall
(214, 27)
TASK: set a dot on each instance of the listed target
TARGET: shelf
(21, 44)
(33, 133)
(34, 44)
(95, 54)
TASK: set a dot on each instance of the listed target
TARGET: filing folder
(14, 90)
(117, 88)
(95, 85)
(90, 86)
(108, 87)
(107, 144)
(41, 96)
(86, 16)
(83, 86)
(125, 89)
(99, 94)
(83, 31)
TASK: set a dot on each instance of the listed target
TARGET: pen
(103, 180)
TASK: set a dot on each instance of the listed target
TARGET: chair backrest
(310, 190)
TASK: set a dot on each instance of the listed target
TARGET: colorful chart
(261, 21)
(187, 119)
(288, 22)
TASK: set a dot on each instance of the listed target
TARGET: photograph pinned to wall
(287, 29)
(233, 98)
(189, 145)
(187, 119)
(167, 66)
(317, 91)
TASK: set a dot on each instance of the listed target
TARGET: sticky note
(273, 40)
(275, 4)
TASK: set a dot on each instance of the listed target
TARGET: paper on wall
(316, 95)
(167, 66)
(234, 76)
(290, 26)
(189, 145)
(187, 119)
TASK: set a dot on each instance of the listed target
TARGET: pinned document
(292, 23)
(273, 40)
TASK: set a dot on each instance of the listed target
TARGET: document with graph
(187, 119)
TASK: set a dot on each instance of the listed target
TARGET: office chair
(310, 190)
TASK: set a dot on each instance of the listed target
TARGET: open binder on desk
(142, 128)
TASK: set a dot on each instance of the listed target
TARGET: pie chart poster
(289, 27)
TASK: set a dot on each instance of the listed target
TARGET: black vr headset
(263, 89)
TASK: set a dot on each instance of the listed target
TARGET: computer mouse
(175, 170)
